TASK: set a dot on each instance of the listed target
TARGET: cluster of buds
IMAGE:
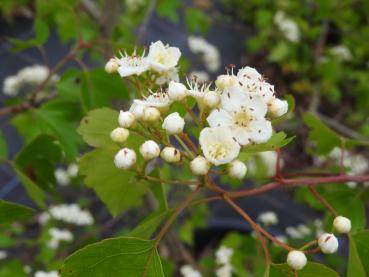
(233, 114)
(327, 242)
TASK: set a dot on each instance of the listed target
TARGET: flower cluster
(46, 274)
(287, 26)
(27, 76)
(237, 112)
(63, 176)
(223, 261)
(58, 235)
(189, 271)
(327, 242)
(69, 213)
(209, 53)
(161, 61)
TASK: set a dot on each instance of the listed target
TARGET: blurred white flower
(166, 77)
(58, 235)
(199, 75)
(287, 26)
(46, 274)
(208, 52)
(223, 260)
(268, 218)
(3, 254)
(70, 213)
(189, 271)
(341, 52)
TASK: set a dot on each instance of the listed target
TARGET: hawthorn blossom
(163, 57)
(132, 64)
(209, 53)
(287, 26)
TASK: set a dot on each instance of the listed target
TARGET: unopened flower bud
(151, 114)
(125, 158)
(176, 91)
(296, 259)
(211, 98)
(173, 123)
(170, 155)
(342, 224)
(149, 150)
(126, 119)
(226, 81)
(111, 66)
(328, 243)
(199, 166)
(138, 110)
(277, 107)
(237, 169)
(119, 135)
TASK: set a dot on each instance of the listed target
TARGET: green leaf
(96, 127)
(279, 52)
(159, 191)
(168, 9)
(10, 212)
(3, 147)
(149, 225)
(196, 20)
(35, 166)
(310, 270)
(117, 188)
(358, 255)
(278, 140)
(60, 118)
(12, 268)
(99, 89)
(325, 139)
(123, 256)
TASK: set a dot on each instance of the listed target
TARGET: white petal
(219, 117)
(242, 135)
(261, 130)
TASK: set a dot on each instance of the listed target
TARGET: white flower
(296, 259)
(61, 176)
(328, 243)
(3, 255)
(111, 66)
(224, 271)
(237, 169)
(177, 91)
(34, 74)
(46, 274)
(58, 235)
(268, 218)
(342, 224)
(226, 82)
(209, 52)
(119, 135)
(159, 100)
(126, 119)
(288, 27)
(341, 52)
(189, 271)
(151, 114)
(72, 170)
(125, 158)
(170, 155)
(149, 150)
(277, 107)
(163, 57)
(43, 218)
(70, 213)
(199, 166)
(134, 5)
(167, 76)
(218, 145)
(211, 98)
(223, 255)
(173, 123)
(132, 65)
(11, 85)
(244, 115)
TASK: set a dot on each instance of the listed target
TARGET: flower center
(218, 150)
(242, 118)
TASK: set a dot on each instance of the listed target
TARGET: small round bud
(199, 166)
(296, 259)
(126, 119)
(211, 98)
(237, 169)
(328, 243)
(226, 81)
(149, 150)
(125, 158)
(176, 91)
(111, 66)
(170, 155)
(151, 114)
(277, 107)
(173, 124)
(119, 135)
(137, 110)
(342, 224)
